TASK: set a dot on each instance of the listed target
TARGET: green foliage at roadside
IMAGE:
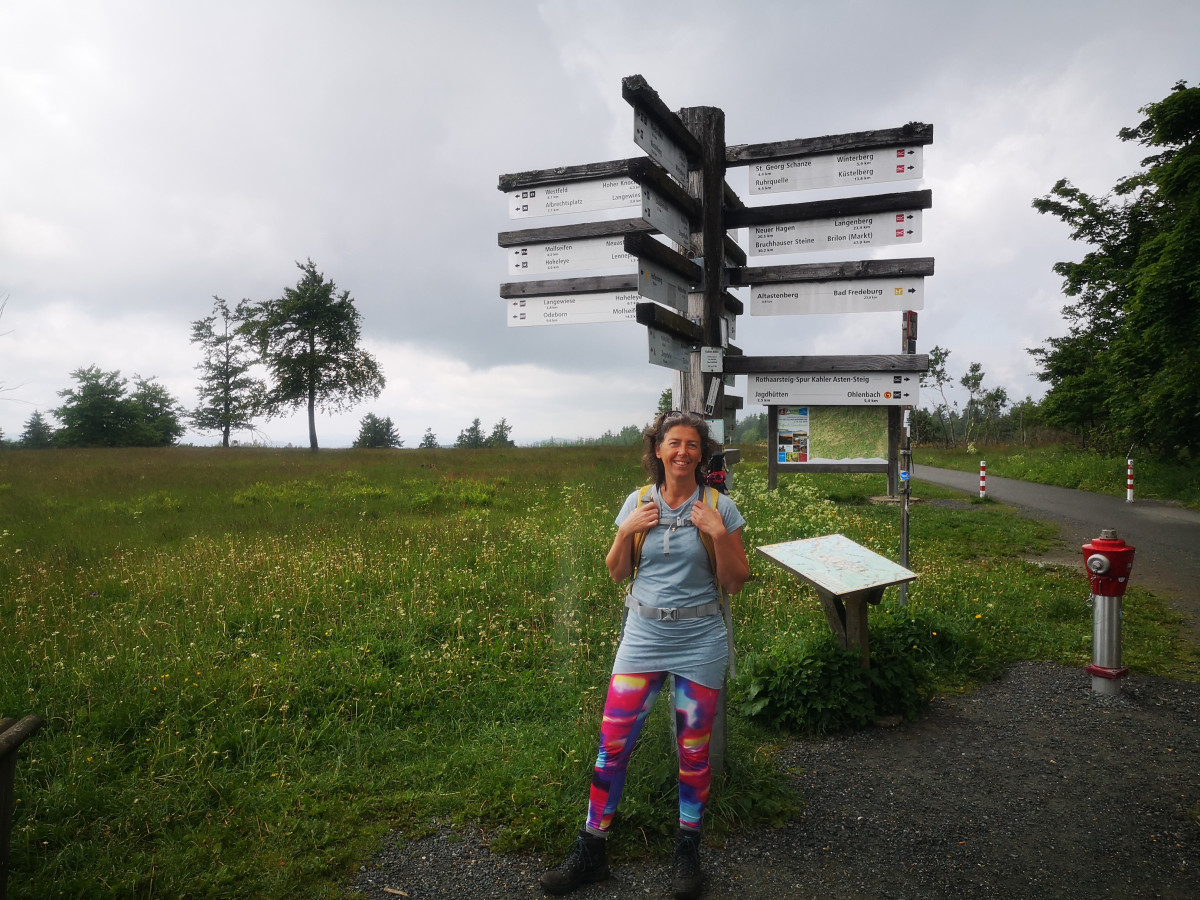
(1128, 371)
(255, 663)
(813, 685)
(1071, 467)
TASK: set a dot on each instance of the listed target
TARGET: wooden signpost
(676, 255)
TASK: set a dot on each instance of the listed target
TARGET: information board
(836, 564)
(879, 229)
(829, 170)
(802, 298)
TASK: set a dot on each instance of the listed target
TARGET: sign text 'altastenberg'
(802, 298)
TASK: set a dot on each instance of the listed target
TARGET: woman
(673, 626)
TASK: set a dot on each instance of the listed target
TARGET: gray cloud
(158, 154)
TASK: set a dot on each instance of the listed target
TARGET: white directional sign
(666, 218)
(573, 309)
(669, 351)
(818, 297)
(662, 285)
(826, 170)
(866, 230)
(574, 255)
(834, 389)
(574, 197)
(659, 146)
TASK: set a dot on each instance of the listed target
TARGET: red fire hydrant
(1109, 560)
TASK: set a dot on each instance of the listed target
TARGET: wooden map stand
(846, 577)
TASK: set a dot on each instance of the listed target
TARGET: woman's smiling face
(680, 451)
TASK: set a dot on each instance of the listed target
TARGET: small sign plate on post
(660, 147)
(662, 285)
(712, 359)
(573, 309)
(669, 351)
(834, 389)
(843, 169)
(843, 296)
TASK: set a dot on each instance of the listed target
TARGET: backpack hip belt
(672, 613)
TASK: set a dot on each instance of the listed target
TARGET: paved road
(1167, 537)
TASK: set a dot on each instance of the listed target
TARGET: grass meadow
(254, 664)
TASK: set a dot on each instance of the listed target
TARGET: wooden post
(707, 185)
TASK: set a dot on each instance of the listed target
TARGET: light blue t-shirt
(675, 572)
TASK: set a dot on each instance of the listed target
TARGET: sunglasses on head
(676, 414)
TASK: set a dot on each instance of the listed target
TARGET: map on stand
(836, 564)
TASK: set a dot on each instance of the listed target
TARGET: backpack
(709, 495)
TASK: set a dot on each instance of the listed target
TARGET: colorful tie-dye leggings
(629, 700)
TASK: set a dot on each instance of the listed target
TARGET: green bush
(815, 686)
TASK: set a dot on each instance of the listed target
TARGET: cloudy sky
(157, 153)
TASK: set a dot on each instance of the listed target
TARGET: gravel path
(1030, 787)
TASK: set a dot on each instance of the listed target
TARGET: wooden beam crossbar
(833, 271)
(553, 286)
(654, 316)
(613, 168)
(553, 233)
(827, 209)
(761, 365)
(638, 94)
(912, 133)
(645, 247)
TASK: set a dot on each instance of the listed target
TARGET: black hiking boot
(687, 879)
(585, 862)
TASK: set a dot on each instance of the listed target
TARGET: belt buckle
(667, 614)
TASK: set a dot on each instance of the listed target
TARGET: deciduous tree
(1128, 369)
(100, 412)
(309, 341)
(429, 441)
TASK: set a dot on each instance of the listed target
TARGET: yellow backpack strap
(710, 499)
(639, 539)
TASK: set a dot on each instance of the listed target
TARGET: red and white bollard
(983, 479)
(1129, 481)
